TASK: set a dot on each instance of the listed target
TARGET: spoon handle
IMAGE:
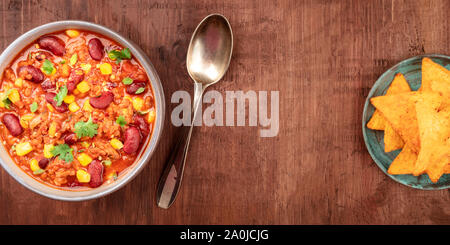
(170, 181)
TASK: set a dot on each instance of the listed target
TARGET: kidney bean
(95, 169)
(132, 140)
(12, 123)
(75, 77)
(52, 44)
(140, 122)
(48, 85)
(102, 101)
(96, 49)
(132, 88)
(70, 138)
(72, 181)
(31, 73)
(50, 99)
(71, 85)
(43, 162)
(42, 55)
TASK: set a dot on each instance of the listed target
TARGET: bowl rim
(150, 145)
(372, 91)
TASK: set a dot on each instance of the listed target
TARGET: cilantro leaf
(47, 67)
(39, 171)
(64, 152)
(121, 121)
(140, 90)
(114, 54)
(126, 53)
(88, 128)
(119, 55)
(6, 101)
(62, 93)
(33, 107)
(127, 81)
(107, 163)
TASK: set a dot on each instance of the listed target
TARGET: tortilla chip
(405, 161)
(399, 111)
(392, 140)
(441, 86)
(434, 130)
(434, 77)
(377, 121)
(398, 85)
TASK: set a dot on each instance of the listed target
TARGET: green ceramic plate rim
(372, 91)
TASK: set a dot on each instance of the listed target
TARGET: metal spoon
(207, 60)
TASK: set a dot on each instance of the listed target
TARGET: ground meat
(104, 149)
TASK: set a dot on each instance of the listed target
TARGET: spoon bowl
(210, 49)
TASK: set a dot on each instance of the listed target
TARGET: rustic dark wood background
(323, 56)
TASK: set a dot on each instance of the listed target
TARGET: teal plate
(411, 69)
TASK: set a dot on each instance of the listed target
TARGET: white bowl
(146, 152)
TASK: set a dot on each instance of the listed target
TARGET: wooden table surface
(323, 56)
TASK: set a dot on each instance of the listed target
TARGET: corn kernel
(72, 33)
(73, 107)
(23, 148)
(138, 103)
(23, 123)
(48, 150)
(69, 99)
(83, 87)
(116, 144)
(85, 67)
(85, 144)
(83, 176)
(105, 68)
(151, 116)
(14, 96)
(52, 129)
(65, 70)
(25, 119)
(34, 165)
(84, 159)
(50, 108)
(87, 106)
(18, 82)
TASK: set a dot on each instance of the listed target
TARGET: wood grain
(323, 56)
